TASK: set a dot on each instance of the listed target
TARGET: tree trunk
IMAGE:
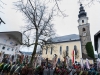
(34, 52)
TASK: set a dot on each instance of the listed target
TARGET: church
(72, 45)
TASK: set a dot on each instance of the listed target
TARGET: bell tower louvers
(84, 28)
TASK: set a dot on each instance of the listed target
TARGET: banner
(87, 64)
(98, 63)
(81, 62)
(54, 61)
(73, 56)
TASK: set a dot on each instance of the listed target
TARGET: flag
(67, 61)
(98, 63)
(73, 56)
(70, 62)
(81, 62)
(54, 61)
(87, 64)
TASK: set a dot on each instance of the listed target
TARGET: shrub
(89, 49)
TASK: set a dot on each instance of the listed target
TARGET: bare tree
(65, 53)
(1, 5)
(39, 27)
(1, 2)
(88, 2)
(59, 10)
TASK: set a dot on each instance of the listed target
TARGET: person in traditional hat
(5, 68)
(8, 69)
(24, 70)
(1, 67)
(51, 71)
(45, 71)
(30, 71)
(17, 70)
(13, 67)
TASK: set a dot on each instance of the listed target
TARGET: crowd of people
(75, 69)
(21, 67)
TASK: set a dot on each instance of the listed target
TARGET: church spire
(82, 11)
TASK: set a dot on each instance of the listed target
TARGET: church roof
(66, 38)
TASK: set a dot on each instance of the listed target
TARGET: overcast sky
(63, 26)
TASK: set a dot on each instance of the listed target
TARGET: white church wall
(9, 43)
(98, 44)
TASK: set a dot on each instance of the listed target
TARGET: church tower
(84, 29)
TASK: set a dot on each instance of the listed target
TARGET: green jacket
(1, 65)
(5, 66)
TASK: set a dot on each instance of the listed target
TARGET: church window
(3, 47)
(46, 50)
(60, 50)
(67, 48)
(82, 21)
(83, 29)
(75, 48)
(51, 50)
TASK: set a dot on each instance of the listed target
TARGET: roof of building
(97, 33)
(66, 38)
(15, 34)
(30, 53)
(96, 40)
(27, 53)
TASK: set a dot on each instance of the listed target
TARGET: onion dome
(82, 12)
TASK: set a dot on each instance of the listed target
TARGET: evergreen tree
(90, 50)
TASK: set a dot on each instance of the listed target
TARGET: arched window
(83, 29)
(51, 50)
(46, 50)
(67, 48)
(60, 50)
(82, 21)
(75, 48)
